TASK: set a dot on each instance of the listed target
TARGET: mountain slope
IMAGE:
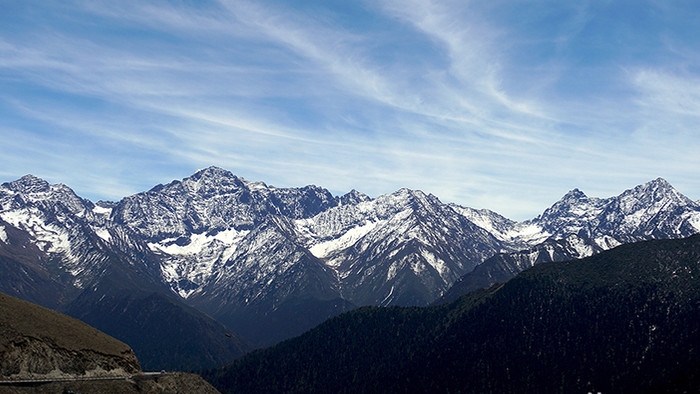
(504, 266)
(624, 320)
(59, 345)
(404, 248)
(272, 263)
(38, 343)
(271, 287)
(578, 226)
(62, 252)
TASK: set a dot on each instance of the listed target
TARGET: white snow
(417, 267)
(324, 249)
(49, 238)
(392, 271)
(480, 220)
(607, 242)
(169, 272)
(579, 245)
(255, 186)
(3, 234)
(198, 260)
(694, 221)
(15, 217)
(525, 231)
(199, 241)
(102, 210)
(436, 263)
(103, 233)
(386, 299)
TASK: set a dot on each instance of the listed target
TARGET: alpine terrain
(215, 261)
(623, 321)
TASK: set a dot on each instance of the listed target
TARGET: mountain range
(622, 321)
(223, 264)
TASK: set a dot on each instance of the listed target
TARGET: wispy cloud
(491, 105)
(661, 92)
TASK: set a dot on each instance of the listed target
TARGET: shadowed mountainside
(625, 320)
(38, 343)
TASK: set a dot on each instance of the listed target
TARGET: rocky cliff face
(25, 357)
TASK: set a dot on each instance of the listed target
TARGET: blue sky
(495, 104)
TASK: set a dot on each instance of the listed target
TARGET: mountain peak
(657, 190)
(212, 172)
(656, 184)
(575, 194)
(212, 179)
(659, 181)
(29, 184)
(409, 193)
(353, 197)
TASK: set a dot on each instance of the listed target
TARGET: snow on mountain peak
(575, 194)
(211, 172)
(353, 197)
(28, 184)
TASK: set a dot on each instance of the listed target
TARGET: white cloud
(663, 92)
(423, 97)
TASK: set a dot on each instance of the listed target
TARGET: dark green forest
(623, 321)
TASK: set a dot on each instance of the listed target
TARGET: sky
(496, 104)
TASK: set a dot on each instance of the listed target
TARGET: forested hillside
(626, 320)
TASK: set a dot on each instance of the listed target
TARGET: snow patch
(391, 272)
(255, 186)
(199, 241)
(104, 234)
(102, 210)
(3, 234)
(49, 238)
(694, 221)
(436, 263)
(326, 248)
(386, 299)
(525, 231)
(15, 218)
(197, 261)
(607, 242)
(580, 246)
(417, 267)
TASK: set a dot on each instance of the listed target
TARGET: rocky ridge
(272, 262)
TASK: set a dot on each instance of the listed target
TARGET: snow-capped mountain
(504, 266)
(652, 210)
(63, 252)
(272, 262)
(245, 251)
(67, 235)
(404, 248)
(579, 226)
(271, 287)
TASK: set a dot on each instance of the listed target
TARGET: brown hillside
(35, 342)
